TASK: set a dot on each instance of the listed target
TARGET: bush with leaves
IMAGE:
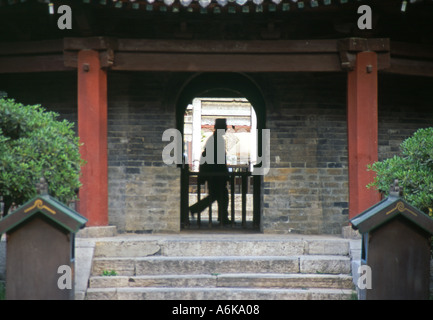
(413, 169)
(35, 144)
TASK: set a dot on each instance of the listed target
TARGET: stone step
(216, 294)
(230, 280)
(221, 266)
(161, 265)
(219, 245)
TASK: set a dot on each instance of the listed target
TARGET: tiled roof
(217, 6)
(288, 4)
(227, 6)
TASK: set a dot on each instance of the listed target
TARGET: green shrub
(35, 144)
(413, 169)
(2, 290)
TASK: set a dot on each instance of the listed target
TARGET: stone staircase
(221, 266)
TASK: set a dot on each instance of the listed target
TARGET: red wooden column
(362, 119)
(92, 130)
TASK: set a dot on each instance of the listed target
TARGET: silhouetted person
(213, 169)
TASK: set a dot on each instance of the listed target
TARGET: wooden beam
(32, 56)
(411, 50)
(31, 47)
(226, 62)
(228, 46)
(32, 63)
(223, 56)
(90, 43)
(411, 59)
(200, 46)
(411, 67)
(208, 55)
(251, 46)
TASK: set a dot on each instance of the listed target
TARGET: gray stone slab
(97, 232)
(219, 245)
(129, 248)
(233, 248)
(186, 281)
(285, 281)
(327, 247)
(324, 264)
(215, 265)
(83, 264)
(216, 294)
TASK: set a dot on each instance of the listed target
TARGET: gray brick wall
(306, 189)
(144, 193)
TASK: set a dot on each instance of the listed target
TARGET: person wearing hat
(213, 169)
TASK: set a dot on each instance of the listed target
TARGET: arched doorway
(218, 87)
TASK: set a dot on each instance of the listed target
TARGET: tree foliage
(413, 168)
(35, 144)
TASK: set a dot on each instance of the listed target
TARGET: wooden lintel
(229, 46)
(200, 46)
(411, 59)
(412, 50)
(208, 55)
(34, 63)
(90, 43)
(411, 67)
(226, 62)
(31, 47)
